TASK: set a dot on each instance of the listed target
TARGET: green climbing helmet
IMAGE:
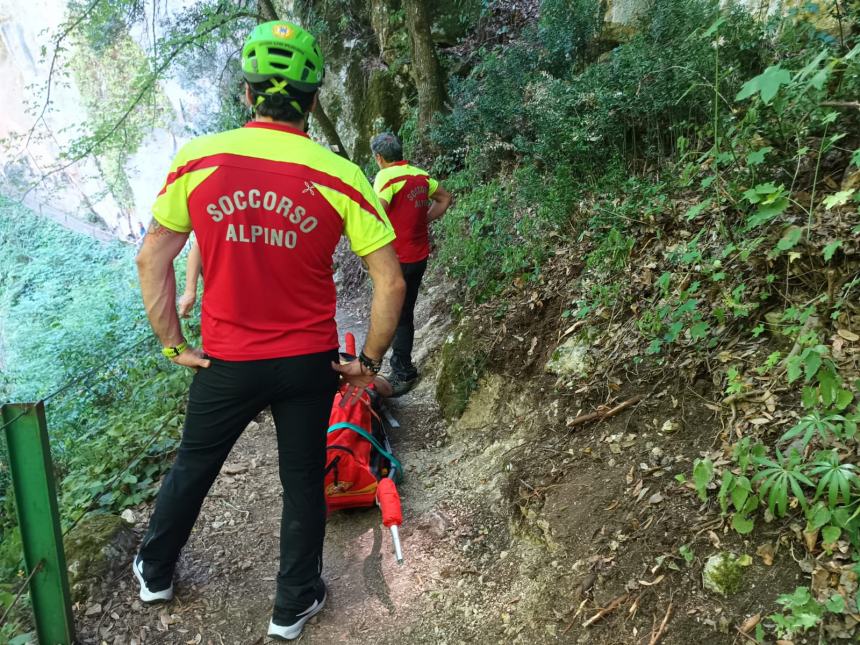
(283, 50)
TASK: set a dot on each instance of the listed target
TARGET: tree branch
(329, 131)
(49, 82)
(187, 41)
(267, 10)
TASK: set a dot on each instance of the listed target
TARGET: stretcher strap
(373, 441)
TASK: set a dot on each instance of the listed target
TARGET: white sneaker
(290, 632)
(145, 594)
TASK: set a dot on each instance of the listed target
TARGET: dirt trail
(225, 584)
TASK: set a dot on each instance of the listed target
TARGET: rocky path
(226, 576)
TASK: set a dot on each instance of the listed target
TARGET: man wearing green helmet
(267, 206)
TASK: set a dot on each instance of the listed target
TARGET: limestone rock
(96, 549)
(570, 359)
(461, 365)
(480, 411)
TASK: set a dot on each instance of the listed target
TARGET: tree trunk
(329, 131)
(426, 70)
(266, 10)
(380, 20)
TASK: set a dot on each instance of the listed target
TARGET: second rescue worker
(412, 199)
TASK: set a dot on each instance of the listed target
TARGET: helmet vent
(277, 51)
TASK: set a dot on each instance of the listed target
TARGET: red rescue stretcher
(361, 470)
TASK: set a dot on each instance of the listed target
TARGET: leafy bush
(69, 307)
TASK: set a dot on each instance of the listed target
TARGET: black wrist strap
(369, 363)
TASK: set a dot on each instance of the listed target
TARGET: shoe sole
(150, 597)
(292, 632)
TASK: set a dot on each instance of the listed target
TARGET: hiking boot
(147, 593)
(400, 385)
(295, 623)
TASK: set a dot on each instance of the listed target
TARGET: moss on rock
(463, 358)
(94, 549)
(723, 573)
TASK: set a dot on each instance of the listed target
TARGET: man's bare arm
(158, 287)
(388, 292)
(389, 289)
(193, 268)
(441, 202)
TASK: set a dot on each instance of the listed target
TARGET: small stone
(669, 426)
(235, 469)
(92, 610)
(128, 516)
(656, 498)
(252, 427)
(438, 525)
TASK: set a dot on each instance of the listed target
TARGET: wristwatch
(369, 363)
(173, 352)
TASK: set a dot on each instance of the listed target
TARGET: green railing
(32, 470)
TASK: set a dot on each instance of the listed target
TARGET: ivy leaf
(843, 399)
(820, 78)
(830, 249)
(793, 369)
(703, 473)
(696, 210)
(756, 157)
(855, 157)
(766, 84)
(766, 212)
(699, 330)
(791, 237)
(741, 524)
(829, 534)
(838, 199)
(809, 397)
(820, 516)
(757, 194)
(836, 603)
(811, 363)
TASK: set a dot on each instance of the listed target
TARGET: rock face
(481, 410)
(95, 550)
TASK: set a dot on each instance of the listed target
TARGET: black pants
(223, 399)
(404, 336)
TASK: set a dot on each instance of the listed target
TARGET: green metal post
(39, 520)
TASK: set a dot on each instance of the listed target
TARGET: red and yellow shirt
(268, 206)
(407, 190)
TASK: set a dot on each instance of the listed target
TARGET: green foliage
(497, 231)
(698, 164)
(567, 29)
(802, 612)
(703, 474)
(63, 290)
(75, 304)
(782, 478)
(687, 553)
